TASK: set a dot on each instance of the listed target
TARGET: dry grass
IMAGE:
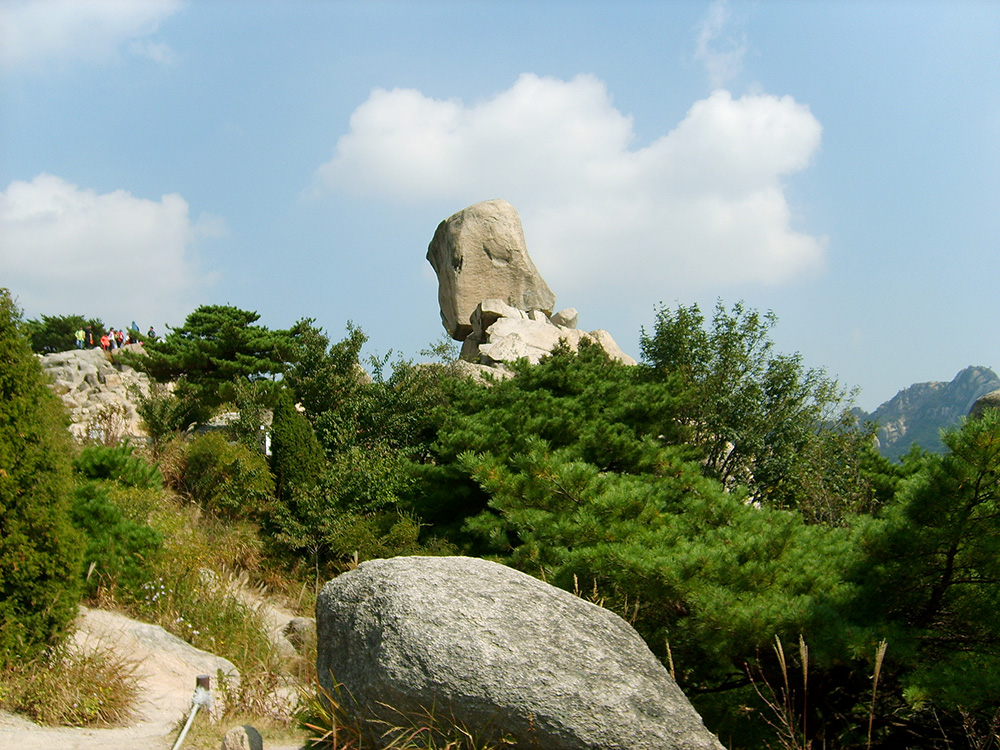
(73, 686)
(331, 727)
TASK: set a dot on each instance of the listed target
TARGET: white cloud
(702, 203)
(67, 251)
(42, 31)
(721, 54)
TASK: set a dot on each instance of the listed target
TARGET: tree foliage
(39, 549)
(228, 479)
(57, 333)
(297, 458)
(217, 345)
(930, 578)
(761, 418)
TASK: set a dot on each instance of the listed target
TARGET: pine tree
(40, 552)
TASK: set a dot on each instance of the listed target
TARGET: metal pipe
(202, 697)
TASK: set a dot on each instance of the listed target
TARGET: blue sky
(835, 162)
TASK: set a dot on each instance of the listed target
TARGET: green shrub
(296, 456)
(165, 412)
(118, 557)
(117, 463)
(39, 548)
(228, 479)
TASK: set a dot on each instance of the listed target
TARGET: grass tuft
(73, 686)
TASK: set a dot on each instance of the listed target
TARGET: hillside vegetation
(804, 590)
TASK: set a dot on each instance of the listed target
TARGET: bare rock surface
(480, 253)
(990, 400)
(91, 382)
(500, 651)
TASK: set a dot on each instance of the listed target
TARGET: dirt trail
(166, 669)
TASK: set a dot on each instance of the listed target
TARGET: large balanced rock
(989, 401)
(497, 651)
(480, 253)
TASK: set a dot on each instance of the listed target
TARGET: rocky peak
(917, 414)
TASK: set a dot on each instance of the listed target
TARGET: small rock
(242, 738)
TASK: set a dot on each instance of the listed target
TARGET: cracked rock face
(480, 253)
(96, 390)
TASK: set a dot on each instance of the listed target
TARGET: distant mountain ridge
(917, 414)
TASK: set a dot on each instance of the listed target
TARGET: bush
(228, 479)
(296, 456)
(117, 463)
(118, 558)
(39, 548)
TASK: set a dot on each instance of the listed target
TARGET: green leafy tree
(39, 549)
(760, 418)
(602, 411)
(325, 375)
(165, 413)
(117, 463)
(216, 346)
(57, 333)
(228, 479)
(119, 554)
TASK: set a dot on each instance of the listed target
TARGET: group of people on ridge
(113, 339)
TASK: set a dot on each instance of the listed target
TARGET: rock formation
(480, 253)
(501, 652)
(501, 333)
(491, 295)
(989, 401)
(242, 737)
(96, 391)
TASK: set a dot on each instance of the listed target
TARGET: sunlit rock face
(480, 253)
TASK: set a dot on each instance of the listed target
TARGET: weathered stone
(509, 339)
(480, 372)
(566, 318)
(501, 652)
(611, 347)
(242, 738)
(488, 312)
(989, 401)
(479, 253)
(88, 382)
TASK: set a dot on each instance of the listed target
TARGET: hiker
(80, 338)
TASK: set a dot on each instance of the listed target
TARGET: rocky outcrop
(990, 401)
(491, 295)
(480, 253)
(917, 414)
(95, 389)
(501, 334)
(501, 652)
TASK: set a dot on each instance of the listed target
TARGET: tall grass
(73, 686)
